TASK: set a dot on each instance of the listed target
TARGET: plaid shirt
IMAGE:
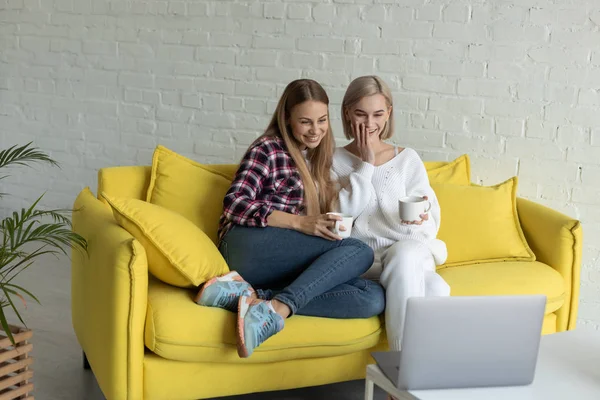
(266, 180)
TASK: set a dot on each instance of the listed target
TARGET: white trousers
(408, 271)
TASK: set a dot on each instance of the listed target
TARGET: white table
(568, 368)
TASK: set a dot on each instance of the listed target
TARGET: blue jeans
(311, 275)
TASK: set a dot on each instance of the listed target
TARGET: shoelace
(224, 301)
(267, 329)
(268, 326)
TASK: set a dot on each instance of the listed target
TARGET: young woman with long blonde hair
(373, 175)
(275, 233)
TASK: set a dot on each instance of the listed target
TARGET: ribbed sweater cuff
(394, 344)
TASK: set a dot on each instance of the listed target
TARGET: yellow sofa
(147, 340)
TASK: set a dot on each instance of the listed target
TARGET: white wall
(512, 83)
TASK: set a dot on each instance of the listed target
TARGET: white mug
(411, 208)
(346, 222)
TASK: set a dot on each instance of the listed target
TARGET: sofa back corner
(124, 181)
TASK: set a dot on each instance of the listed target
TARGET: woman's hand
(363, 145)
(424, 217)
(318, 225)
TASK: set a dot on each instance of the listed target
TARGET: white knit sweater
(370, 194)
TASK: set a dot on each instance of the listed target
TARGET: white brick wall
(513, 83)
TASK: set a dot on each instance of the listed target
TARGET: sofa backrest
(133, 181)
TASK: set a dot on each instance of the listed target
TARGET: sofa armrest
(109, 293)
(556, 240)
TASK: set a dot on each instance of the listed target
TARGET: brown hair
(320, 158)
(365, 86)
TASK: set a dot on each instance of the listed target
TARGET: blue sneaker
(256, 323)
(224, 291)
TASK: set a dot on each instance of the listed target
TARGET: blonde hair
(320, 158)
(366, 86)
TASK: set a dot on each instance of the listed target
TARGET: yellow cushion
(178, 252)
(128, 181)
(480, 223)
(191, 189)
(507, 278)
(179, 329)
(457, 172)
(430, 165)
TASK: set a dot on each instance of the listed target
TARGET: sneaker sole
(241, 342)
(218, 279)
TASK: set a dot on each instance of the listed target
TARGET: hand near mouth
(363, 144)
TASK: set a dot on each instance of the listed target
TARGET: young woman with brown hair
(275, 233)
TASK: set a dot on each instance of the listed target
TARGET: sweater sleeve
(354, 187)
(240, 204)
(417, 184)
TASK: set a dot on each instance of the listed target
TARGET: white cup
(346, 222)
(411, 208)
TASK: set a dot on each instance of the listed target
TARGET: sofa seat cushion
(179, 329)
(507, 278)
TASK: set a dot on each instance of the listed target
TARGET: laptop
(466, 342)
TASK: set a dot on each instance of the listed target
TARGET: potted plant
(25, 236)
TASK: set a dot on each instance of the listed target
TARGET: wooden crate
(15, 365)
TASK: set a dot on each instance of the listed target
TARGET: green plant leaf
(2, 194)
(7, 294)
(22, 289)
(23, 262)
(48, 231)
(21, 155)
(56, 215)
(25, 227)
(4, 324)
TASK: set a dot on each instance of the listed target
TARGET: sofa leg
(86, 364)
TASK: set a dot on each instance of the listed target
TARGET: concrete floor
(58, 372)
